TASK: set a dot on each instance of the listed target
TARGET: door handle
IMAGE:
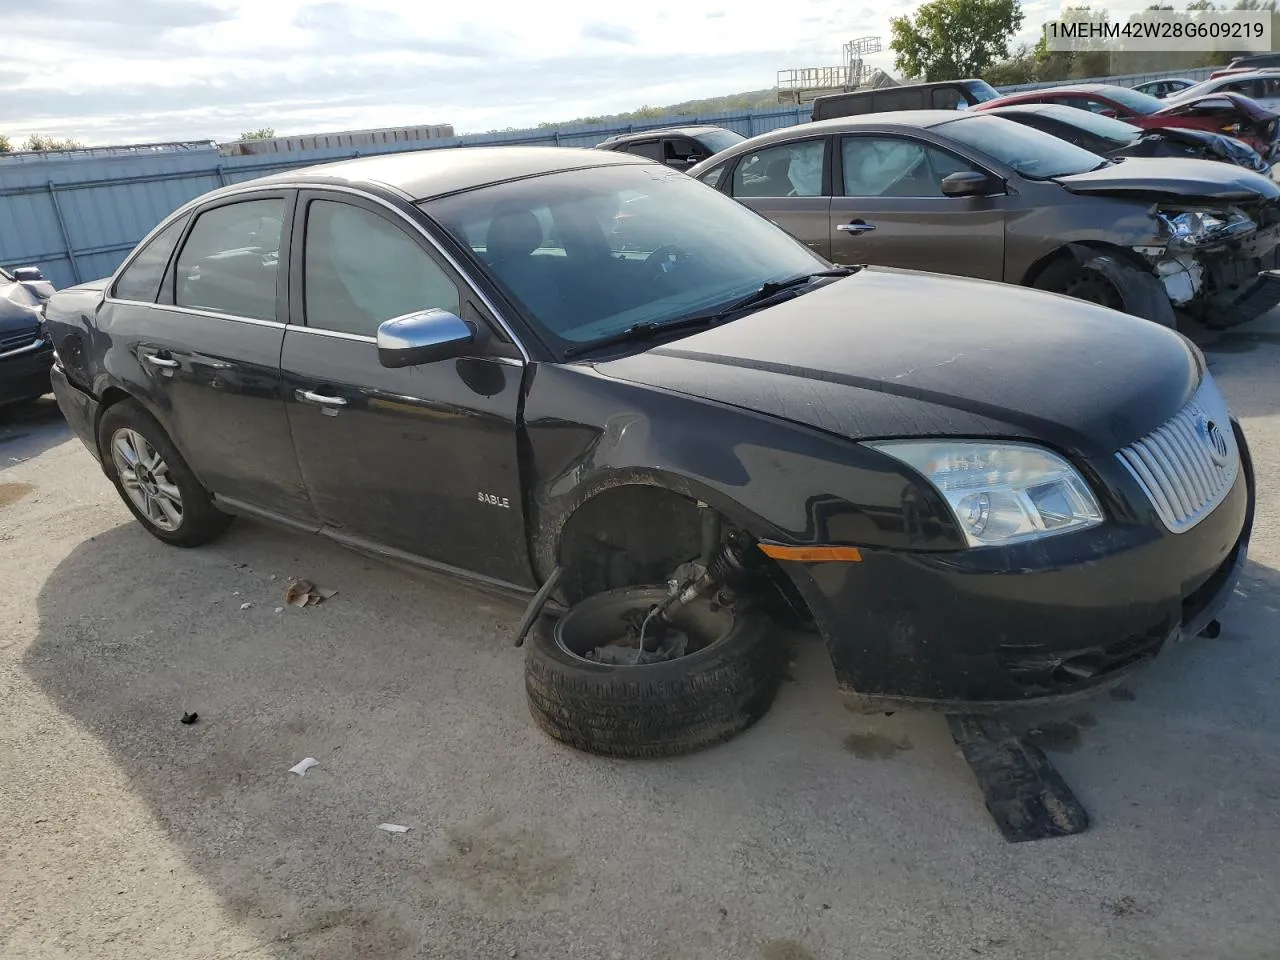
(159, 361)
(310, 396)
(858, 226)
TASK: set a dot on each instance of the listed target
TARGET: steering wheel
(659, 262)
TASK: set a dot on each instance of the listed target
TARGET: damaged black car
(976, 494)
(25, 355)
(981, 196)
(1113, 138)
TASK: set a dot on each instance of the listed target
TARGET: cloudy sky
(113, 71)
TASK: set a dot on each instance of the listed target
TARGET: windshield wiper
(766, 291)
(771, 288)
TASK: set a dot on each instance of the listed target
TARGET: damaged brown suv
(981, 196)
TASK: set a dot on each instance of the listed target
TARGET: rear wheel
(154, 481)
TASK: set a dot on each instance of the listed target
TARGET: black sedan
(25, 357)
(1113, 138)
(971, 490)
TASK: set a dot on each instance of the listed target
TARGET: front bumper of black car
(24, 371)
(989, 628)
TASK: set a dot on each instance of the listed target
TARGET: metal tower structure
(854, 51)
(803, 84)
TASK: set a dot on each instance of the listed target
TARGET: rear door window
(231, 260)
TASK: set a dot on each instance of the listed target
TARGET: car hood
(19, 307)
(897, 353)
(1157, 176)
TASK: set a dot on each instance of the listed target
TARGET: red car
(1228, 113)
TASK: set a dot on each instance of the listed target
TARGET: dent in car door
(893, 212)
(209, 350)
(421, 460)
(788, 184)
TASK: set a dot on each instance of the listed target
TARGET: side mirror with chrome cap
(27, 274)
(424, 337)
(969, 183)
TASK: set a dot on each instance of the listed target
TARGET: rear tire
(657, 709)
(154, 481)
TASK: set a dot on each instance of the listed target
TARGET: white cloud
(128, 70)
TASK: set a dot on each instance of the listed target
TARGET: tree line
(955, 39)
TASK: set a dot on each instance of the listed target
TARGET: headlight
(1192, 228)
(1001, 492)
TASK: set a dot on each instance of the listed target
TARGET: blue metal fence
(76, 214)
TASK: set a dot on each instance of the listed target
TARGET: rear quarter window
(141, 279)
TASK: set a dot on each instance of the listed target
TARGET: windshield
(717, 140)
(590, 253)
(981, 91)
(4, 275)
(1198, 90)
(1032, 153)
(1106, 127)
(1140, 103)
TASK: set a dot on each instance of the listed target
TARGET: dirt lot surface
(818, 834)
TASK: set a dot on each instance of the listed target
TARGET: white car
(1260, 86)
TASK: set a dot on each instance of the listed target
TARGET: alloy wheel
(146, 481)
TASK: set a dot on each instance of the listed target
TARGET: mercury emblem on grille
(1213, 439)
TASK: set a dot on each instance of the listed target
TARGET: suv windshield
(590, 253)
(717, 140)
(1034, 154)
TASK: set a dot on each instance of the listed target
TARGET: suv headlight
(1001, 492)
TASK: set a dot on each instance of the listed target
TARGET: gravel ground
(818, 834)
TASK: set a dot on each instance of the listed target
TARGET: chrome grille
(1187, 465)
(12, 341)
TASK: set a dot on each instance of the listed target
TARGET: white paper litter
(393, 828)
(302, 766)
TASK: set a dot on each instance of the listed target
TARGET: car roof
(423, 174)
(898, 118)
(662, 132)
(1267, 74)
(917, 119)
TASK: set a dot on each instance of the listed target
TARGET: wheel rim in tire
(145, 479)
(1088, 286)
(598, 619)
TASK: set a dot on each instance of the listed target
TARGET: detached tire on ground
(678, 706)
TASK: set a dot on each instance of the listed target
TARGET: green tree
(38, 141)
(1019, 68)
(953, 39)
(262, 133)
(5, 146)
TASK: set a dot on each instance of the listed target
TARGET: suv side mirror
(27, 274)
(968, 183)
(423, 337)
